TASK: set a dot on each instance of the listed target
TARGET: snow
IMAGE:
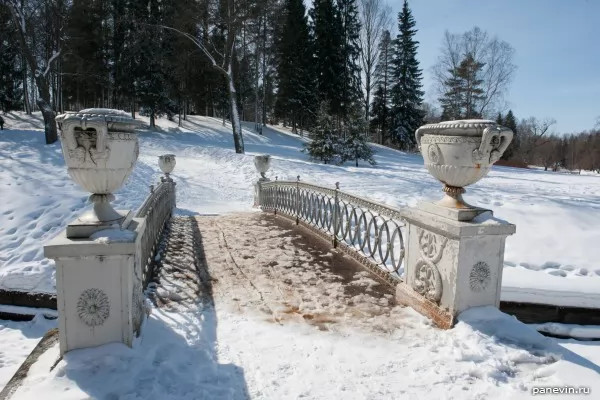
(113, 235)
(18, 340)
(571, 330)
(223, 353)
(207, 354)
(553, 257)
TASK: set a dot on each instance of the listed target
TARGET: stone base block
(408, 297)
(84, 227)
(455, 214)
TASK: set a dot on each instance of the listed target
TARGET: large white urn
(167, 162)
(262, 164)
(100, 149)
(460, 153)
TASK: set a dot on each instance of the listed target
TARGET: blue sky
(557, 45)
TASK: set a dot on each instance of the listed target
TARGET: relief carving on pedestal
(93, 307)
(480, 276)
(427, 280)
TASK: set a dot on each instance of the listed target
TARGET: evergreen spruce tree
(349, 24)
(11, 74)
(328, 53)
(152, 86)
(84, 61)
(356, 145)
(511, 123)
(294, 66)
(325, 144)
(380, 108)
(464, 92)
(406, 92)
(499, 119)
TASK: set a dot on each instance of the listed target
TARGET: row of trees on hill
(345, 70)
(238, 59)
(536, 144)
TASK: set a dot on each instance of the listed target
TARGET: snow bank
(107, 236)
(209, 355)
(18, 340)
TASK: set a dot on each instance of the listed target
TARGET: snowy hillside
(557, 215)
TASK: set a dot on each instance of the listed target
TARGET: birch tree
(375, 21)
(494, 54)
(24, 14)
(230, 17)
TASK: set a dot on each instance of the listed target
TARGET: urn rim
(463, 127)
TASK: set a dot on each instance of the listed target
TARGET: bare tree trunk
(238, 139)
(45, 106)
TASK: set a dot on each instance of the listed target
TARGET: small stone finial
(298, 178)
(151, 188)
(276, 178)
(337, 186)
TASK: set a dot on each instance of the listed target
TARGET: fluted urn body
(100, 149)
(167, 162)
(460, 153)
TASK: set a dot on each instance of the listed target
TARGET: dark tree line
(260, 60)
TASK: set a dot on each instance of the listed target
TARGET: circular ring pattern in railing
(369, 228)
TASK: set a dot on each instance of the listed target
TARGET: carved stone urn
(262, 164)
(167, 162)
(458, 154)
(100, 149)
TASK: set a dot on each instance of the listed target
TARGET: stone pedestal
(257, 189)
(98, 287)
(452, 265)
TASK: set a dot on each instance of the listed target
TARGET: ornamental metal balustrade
(368, 231)
(156, 209)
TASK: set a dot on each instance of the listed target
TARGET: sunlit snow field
(553, 257)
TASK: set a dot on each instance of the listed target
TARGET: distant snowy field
(553, 257)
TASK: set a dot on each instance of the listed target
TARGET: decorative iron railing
(368, 231)
(156, 209)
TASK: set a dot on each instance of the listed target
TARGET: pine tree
(499, 119)
(85, 59)
(347, 14)
(329, 52)
(464, 92)
(356, 146)
(380, 109)
(152, 86)
(11, 74)
(325, 143)
(294, 65)
(511, 123)
(406, 92)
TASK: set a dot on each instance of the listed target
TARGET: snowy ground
(205, 354)
(553, 257)
(217, 353)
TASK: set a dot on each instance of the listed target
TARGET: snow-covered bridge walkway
(258, 263)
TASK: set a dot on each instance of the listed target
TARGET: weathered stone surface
(95, 281)
(452, 265)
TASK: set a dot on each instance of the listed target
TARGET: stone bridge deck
(264, 265)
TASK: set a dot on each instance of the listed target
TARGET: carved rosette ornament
(93, 307)
(480, 276)
(460, 153)
(427, 280)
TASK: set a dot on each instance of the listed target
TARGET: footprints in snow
(556, 269)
